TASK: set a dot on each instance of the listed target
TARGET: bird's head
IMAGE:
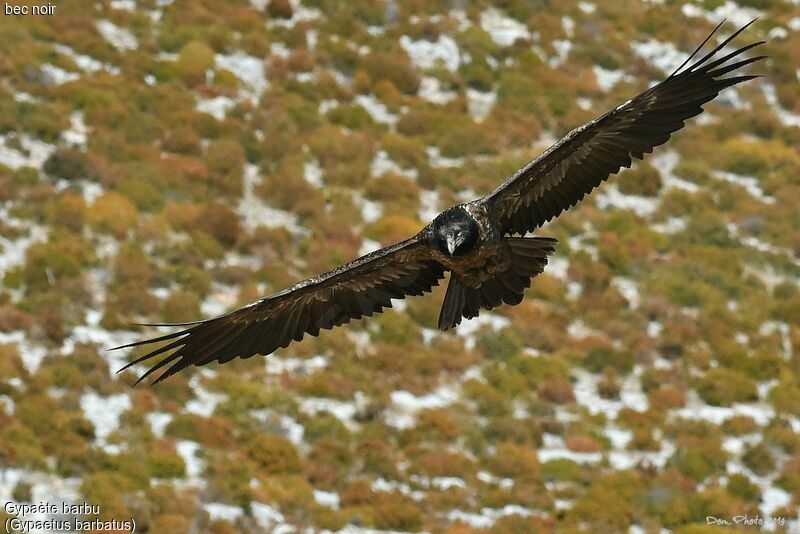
(455, 231)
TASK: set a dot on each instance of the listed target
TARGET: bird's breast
(486, 260)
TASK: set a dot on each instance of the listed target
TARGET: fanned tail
(528, 259)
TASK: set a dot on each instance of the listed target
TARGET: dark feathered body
(487, 253)
(478, 243)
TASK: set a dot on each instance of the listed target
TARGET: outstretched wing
(570, 169)
(359, 288)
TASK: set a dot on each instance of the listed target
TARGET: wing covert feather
(570, 169)
(360, 288)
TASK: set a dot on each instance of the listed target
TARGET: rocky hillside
(164, 160)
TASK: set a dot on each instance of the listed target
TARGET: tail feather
(528, 259)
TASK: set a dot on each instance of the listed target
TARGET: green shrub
(723, 387)
(353, 117)
(642, 179)
(515, 461)
(759, 459)
(225, 160)
(20, 447)
(181, 306)
(163, 461)
(394, 67)
(70, 164)
(740, 486)
(280, 9)
(273, 454)
(194, 59)
(600, 358)
(219, 221)
(698, 461)
(790, 475)
(609, 502)
(109, 491)
(501, 345)
(113, 214)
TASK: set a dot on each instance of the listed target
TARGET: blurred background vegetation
(168, 160)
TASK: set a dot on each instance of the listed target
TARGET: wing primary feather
(175, 355)
(720, 46)
(721, 71)
(733, 54)
(171, 335)
(564, 173)
(153, 354)
(696, 50)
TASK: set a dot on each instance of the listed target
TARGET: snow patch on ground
(78, 131)
(255, 212)
(91, 333)
(469, 327)
(437, 160)
(124, 5)
(489, 516)
(84, 62)
(312, 172)
(786, 117)
(31, 354)
(627, 288)
(426, 54)
(428, 205)
(557, 267)
(220, 299)
(382, 163)
(665, 161)
(401, 414)
(13, 251)
(277, 365)
(502, 29)
(761, 246)
(249, 69)
(750, 184)
(731, 11)
(665, 56)
(563, 48)
(673, 225)
(695, 408)
(344, 411)
(205, 402)
(56, 75)
(430, 89)
(194, 465)
(34, 152)
(217, 107)
(327, 498)
(381, 484)
(606, 79)
(630, 395)
(612, 197)
(371, 210)
(158, 422)
(45, 488)
(104, 413)
(480, 104)
(367, 246)
(223, 512)
(120, 38)
(579, 330)
(377, 109)
(266, 516)
(299, 13)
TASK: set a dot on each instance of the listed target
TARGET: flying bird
(482, 244)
